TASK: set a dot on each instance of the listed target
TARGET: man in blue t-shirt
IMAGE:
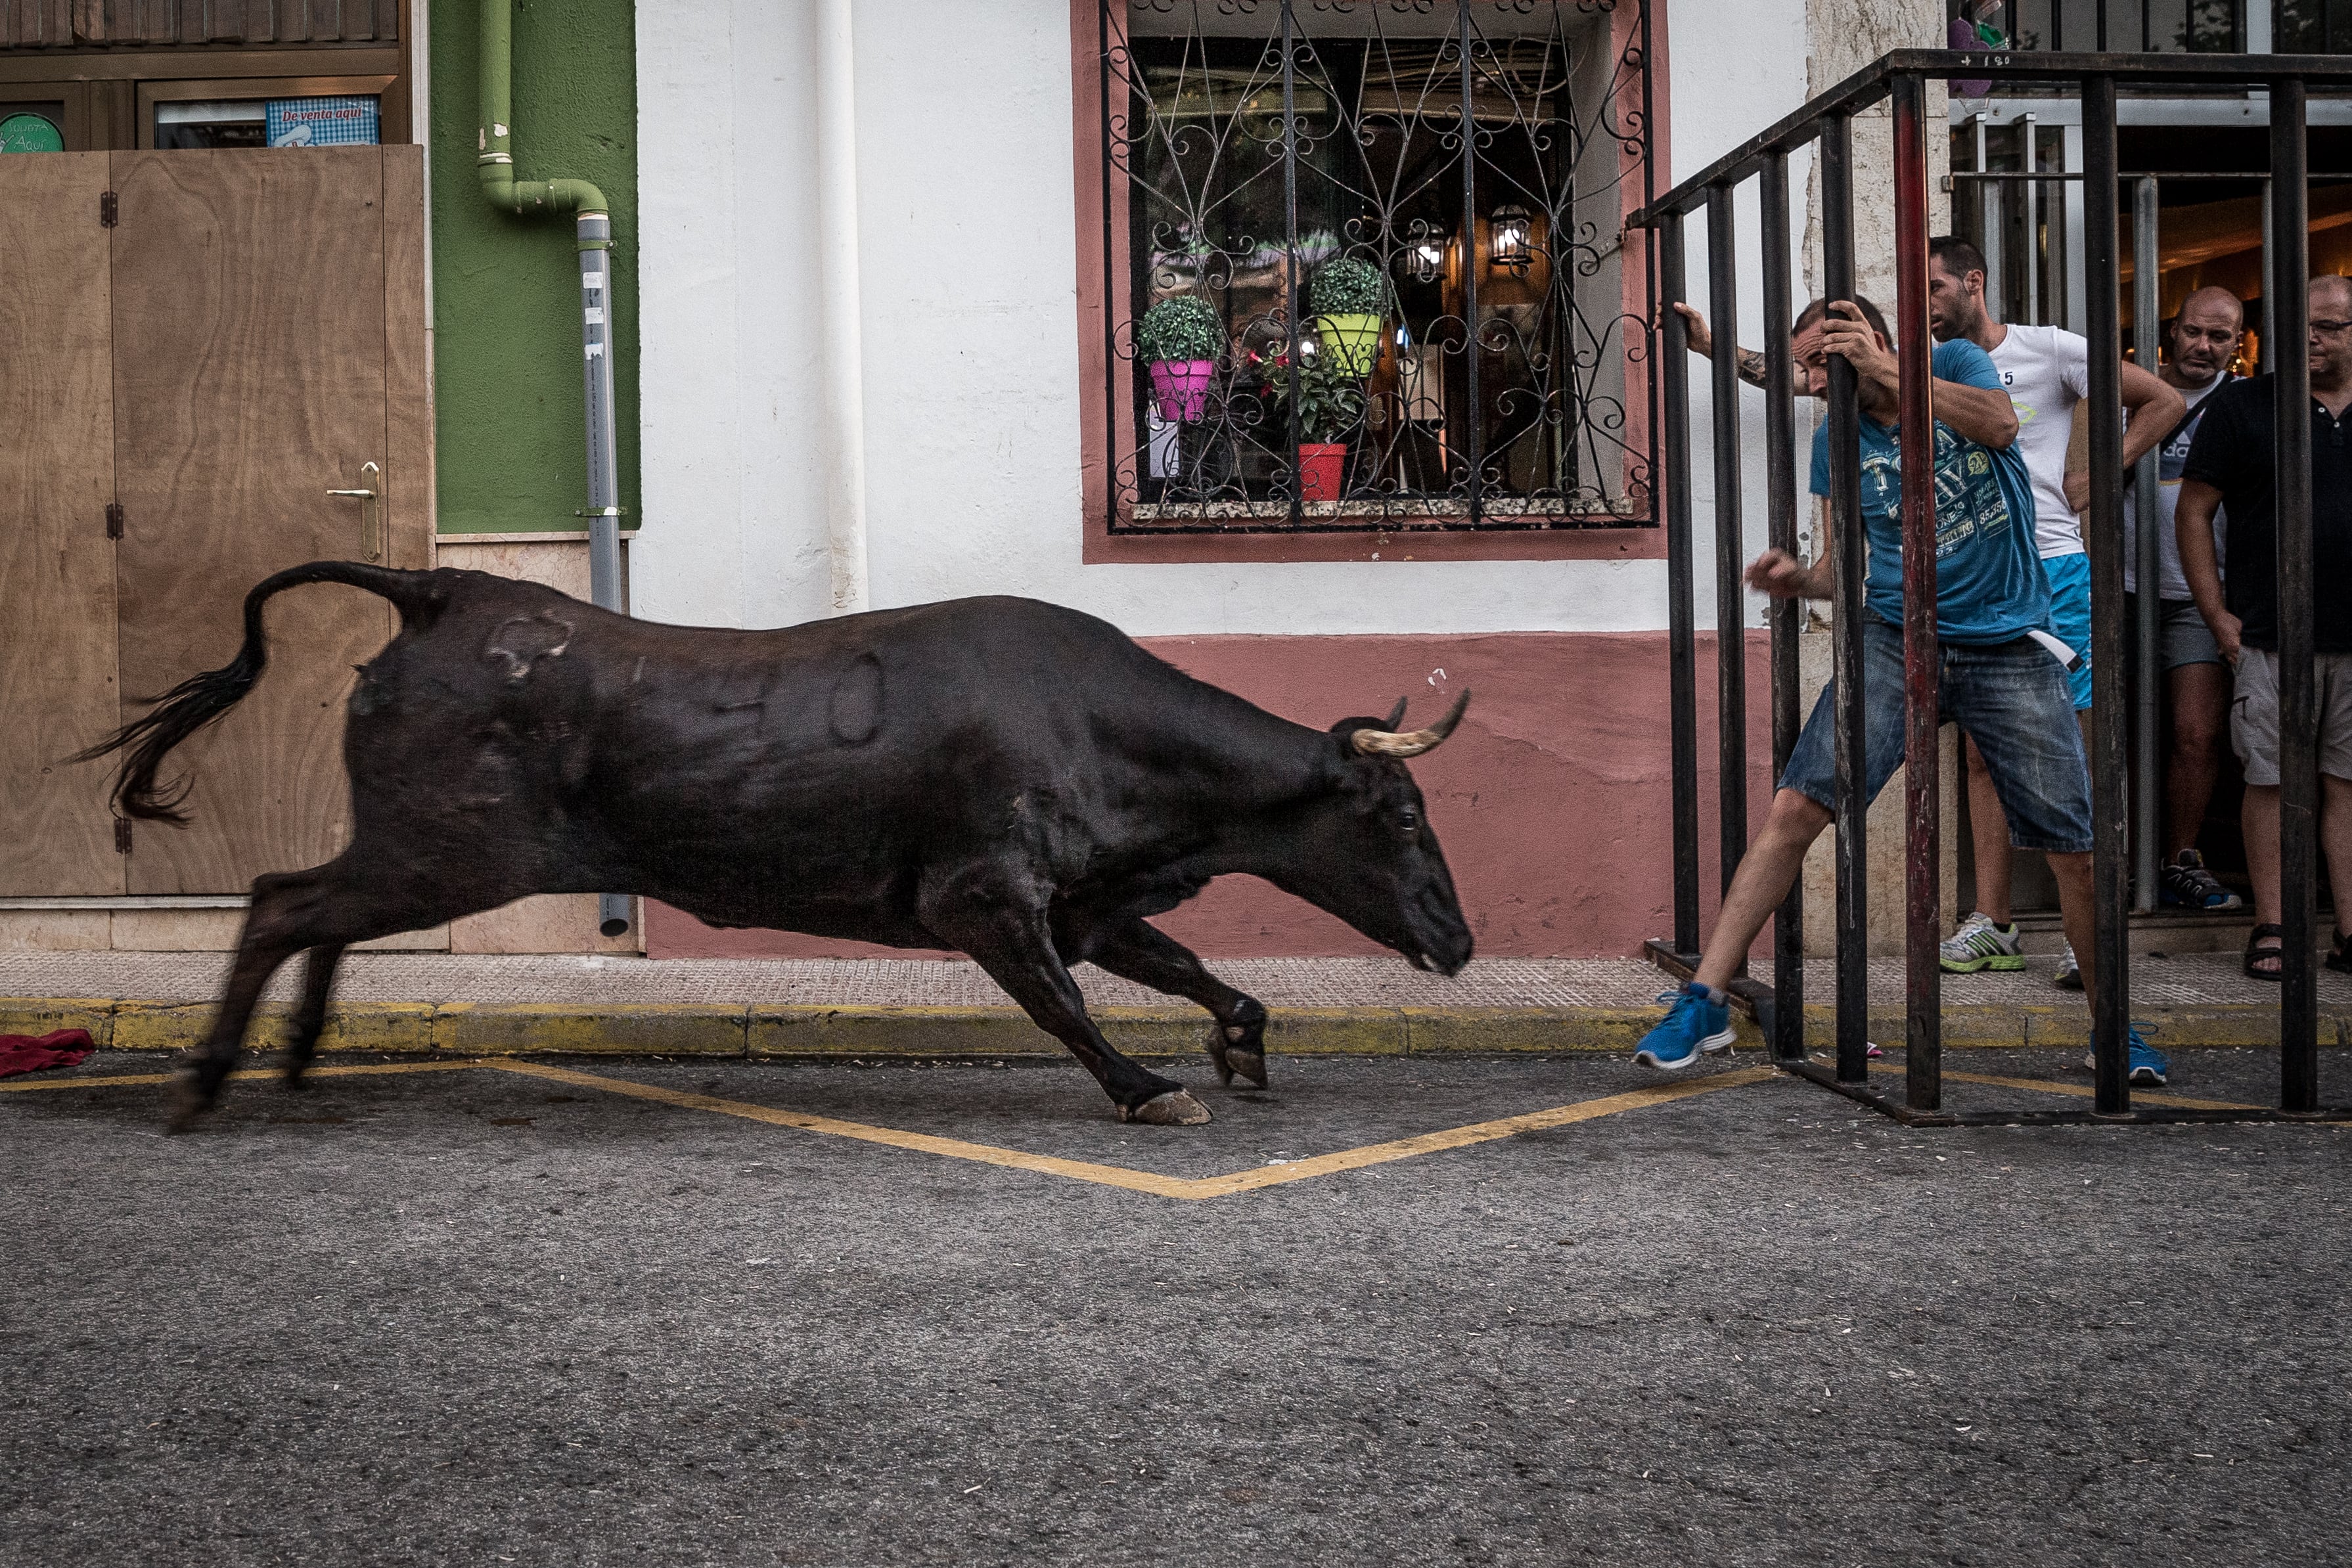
(2002, 676)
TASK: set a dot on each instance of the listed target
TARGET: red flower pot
(1322, 470)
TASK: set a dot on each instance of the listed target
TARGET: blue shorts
(2011, 698)
(2070, 616)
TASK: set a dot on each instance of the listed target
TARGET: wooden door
(58, 687)
(268, 343)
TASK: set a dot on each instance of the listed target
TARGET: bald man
(2230, 464)
(2202, 343)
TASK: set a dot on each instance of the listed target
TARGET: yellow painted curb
(610, 1028)
(37, 1016)
(1177, 1032)
(2239, 1024)
(1436, 1031)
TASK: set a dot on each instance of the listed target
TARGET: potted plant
(1349, 298)
(1179, 337)
(1330, 405)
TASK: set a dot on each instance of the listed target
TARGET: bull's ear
(1396, 714)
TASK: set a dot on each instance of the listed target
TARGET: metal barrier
(1828, 120)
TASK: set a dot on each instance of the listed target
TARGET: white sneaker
(2070, 973)
(1979, 943)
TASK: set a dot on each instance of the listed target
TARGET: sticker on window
(323, 122)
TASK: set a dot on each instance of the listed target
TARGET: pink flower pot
(1322, 470)
(1181, 388)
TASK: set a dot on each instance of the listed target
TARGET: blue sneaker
(1694, 1026)
(2144, 1064)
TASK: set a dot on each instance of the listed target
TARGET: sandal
(2340, 959)
(2256, 954)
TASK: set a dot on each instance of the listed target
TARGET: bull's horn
(1388, 743)
(1396, 714)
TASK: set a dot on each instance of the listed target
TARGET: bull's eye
(1409, 819)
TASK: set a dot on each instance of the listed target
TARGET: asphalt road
(476, 1317)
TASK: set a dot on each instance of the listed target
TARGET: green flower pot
(1353, 341)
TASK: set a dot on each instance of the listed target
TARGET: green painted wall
(506, 293)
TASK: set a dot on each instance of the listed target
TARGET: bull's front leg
(1012, 943)
(1134, 949)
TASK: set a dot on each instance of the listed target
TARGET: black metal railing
(1826, 123)
(1368, 264)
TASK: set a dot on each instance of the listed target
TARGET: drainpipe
(593, 224)
(837, 285)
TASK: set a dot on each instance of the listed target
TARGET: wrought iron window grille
(1407, 219)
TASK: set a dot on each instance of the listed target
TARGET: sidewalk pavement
(485, 1005)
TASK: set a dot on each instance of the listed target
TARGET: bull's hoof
(295, 1073)
(1174, 1109)
(1229, 1058)
(189, 1103)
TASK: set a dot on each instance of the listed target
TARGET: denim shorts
(2013, 701)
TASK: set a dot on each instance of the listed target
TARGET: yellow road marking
(1477, 1133)
(132, 1080)
(1191, 1189)
(2081, 1091)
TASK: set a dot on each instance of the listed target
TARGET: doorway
(202, 345)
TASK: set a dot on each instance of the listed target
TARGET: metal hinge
(109, 213)
(114, 519)
(122, 835)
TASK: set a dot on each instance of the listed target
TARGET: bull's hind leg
(1016, 948)
(1136, 950)
(311, 1017)
(325, 908)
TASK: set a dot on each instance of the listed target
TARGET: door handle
(370, 513)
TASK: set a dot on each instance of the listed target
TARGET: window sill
(1371, 514)
(1365, 537)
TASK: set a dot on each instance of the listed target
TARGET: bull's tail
(202, 698)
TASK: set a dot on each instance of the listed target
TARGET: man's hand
(1845, 331)
(1782, 576)
(2229, 633)
(2078, 491)
(1695, 333)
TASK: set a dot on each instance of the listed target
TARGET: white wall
(972, 385)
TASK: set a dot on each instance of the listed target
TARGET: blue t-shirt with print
(1988, 581)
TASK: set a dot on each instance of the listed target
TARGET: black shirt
(2232, 452)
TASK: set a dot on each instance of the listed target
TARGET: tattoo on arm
(1751, 367)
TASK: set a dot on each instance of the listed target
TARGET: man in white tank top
(2047, 373)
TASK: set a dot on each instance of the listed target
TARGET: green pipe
(493, 138)
(592, 225)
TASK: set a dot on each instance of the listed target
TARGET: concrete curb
(736, 1029)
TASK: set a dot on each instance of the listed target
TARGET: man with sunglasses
(2230, 464)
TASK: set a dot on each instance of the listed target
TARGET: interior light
(1511, 239)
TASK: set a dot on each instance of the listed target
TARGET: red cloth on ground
(25, 1053)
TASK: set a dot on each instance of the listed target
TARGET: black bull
(999, 776)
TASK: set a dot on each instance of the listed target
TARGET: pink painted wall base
(1553, 800)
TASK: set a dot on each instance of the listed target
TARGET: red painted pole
(1922, 882)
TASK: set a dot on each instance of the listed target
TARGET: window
(309, 111)
(2313, 27)
(1407, 301)
(2193, 27)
